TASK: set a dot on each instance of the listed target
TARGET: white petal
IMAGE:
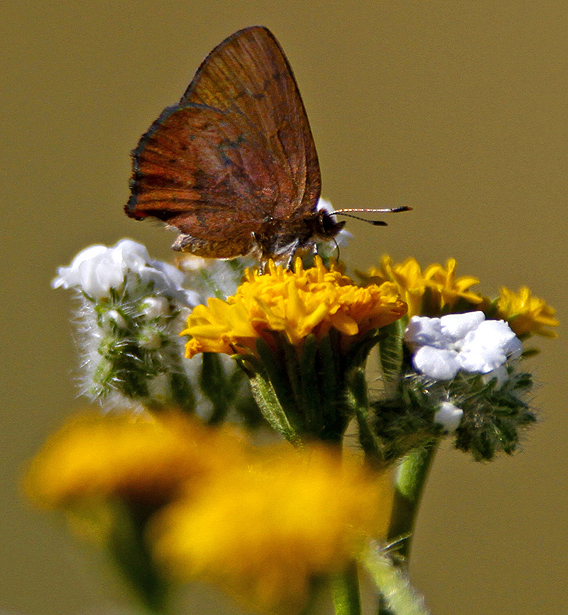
(476, 358)
(502, 335)
(437, 363)
(88, 253)
(422, 331)
(131, 254)
(489, 346)
(457, 326)
(70, 276)
(99, 275)
(171, 273)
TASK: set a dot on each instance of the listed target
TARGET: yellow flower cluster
(268, 531)
(137, 459)
(412, 283)
(525, 313)
(294, 303)
(264, 522)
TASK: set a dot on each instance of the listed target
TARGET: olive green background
(456, 108)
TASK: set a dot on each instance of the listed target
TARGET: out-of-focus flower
(213, 277)
(268, 531)
(98, 269)
(449, 416)
(433, 292)
(295, 304)
(142, 459)
(525, 313)
(443, 346)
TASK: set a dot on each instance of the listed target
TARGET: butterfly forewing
(195, 161)
(249, 77)
(234, 161)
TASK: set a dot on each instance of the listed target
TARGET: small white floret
(449, 416)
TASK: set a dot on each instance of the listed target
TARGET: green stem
(129, 551)
(409, 485)
(345, 590)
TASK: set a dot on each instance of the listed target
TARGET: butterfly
(233, 166)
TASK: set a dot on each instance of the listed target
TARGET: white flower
(449, 416)
(443, 346)
(98, 269)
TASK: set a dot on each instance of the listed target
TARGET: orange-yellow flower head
(295, 304)
(525, 313)
(140, 459)
(431, 292)
(268, 531)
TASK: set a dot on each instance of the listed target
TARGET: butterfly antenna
(349, 213)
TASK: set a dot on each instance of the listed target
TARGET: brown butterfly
(233, 166)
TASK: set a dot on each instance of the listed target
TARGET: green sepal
(315, 386)
(271, 391)
(358, 352)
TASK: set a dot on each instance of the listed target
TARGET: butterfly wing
(236, 151)
(248, 76)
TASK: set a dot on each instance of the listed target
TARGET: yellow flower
(268, 531)
(140, 459)
(525, 313)
(293, 303)
(444, 290)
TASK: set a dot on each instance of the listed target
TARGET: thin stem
(409, 485)
(345, 590)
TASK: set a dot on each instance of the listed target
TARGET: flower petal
(437, 363)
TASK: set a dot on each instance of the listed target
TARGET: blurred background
(458, 109)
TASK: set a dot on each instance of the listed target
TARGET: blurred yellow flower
(439, 282)
(525, 313)
(268, 531)
(137, 459)
(296, 304)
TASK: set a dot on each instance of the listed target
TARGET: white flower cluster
(131, 315)
(467, 342)
(98, 269)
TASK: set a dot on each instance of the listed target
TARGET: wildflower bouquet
(244, 442)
